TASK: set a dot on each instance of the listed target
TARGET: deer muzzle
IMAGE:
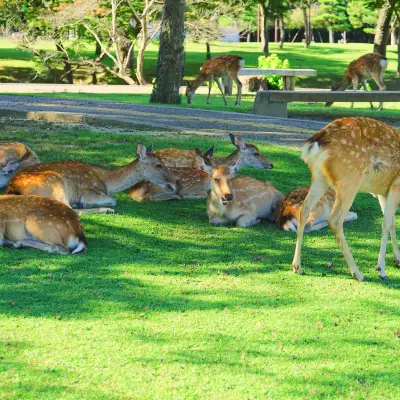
(226, 198)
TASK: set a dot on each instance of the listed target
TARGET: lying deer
(13, 157)
(240, 199)
(79, 184)
(289, 211)
(194, 180)
(371, 65)
(353, 155)
(40, 223)
(215, 69)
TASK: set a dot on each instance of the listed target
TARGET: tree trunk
(249, 32)
(208, 50)
(306, 28)
(383, 29)
(171, 56)
(142, 48)
(264, 30)
(331, 37)
(67, 66)
(281, 32)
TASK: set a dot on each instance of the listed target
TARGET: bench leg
(263, 106)
(288, 82)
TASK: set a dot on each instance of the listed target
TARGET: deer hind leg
(221, 89)
(378, 78)
(239, 87)
(317, 190)
(210, 82)
(355, 87)
(364, 83)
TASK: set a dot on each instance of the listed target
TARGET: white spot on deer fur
(344, 141)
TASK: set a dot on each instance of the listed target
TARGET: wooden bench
(289, 76)
(274, 102)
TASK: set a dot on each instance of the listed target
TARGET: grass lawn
(164, 305)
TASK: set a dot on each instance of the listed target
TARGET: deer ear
(149, 149)
(198, 153)
(141, 151)
(209, 152)
(238, 142)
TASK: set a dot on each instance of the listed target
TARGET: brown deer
(13, 157)
(215, 69)
(194, 181)
(371, 65)
(289, 211)
(40, 223)
(353, 155)
(79, 184)
(240, 199)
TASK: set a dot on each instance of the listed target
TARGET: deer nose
(228, 197)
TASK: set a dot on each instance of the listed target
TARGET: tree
(171, 57)
(332, 15)
(359, 18)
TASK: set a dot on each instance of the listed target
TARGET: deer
(194, 179)
(81, 185)
(371, 65)
(353, 155)
(40, 223)
(13, 157)
(240, 199)
(288, 215)
(214, 69)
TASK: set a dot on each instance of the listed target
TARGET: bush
(273, 61)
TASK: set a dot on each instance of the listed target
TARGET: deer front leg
(218, 80)
(239, 88)
(355, 87)
(378, 78)
(33, 244)
(94, 200)
(247, 220)
(210, 82)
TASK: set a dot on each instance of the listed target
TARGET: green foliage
(332, 15)
(273, 61)
(361, 19)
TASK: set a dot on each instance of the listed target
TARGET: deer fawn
(288, 214)
(353, 155)
(13, 157)
(83, 185)
(40, 223)
(371, 65)
(215, 69)
(240, 199)
(194, 181)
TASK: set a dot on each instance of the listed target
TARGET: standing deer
(79, 184)
(371, 65)
(289, 212)
(40, 223)
(215, 69)
(13, 157)
(194, 179)
(353, 155)
(240, 199)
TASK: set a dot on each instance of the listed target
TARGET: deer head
(190, 92)
(334, 88)
(249, 154)
(221, 182)
(204, 160)
(153, 169)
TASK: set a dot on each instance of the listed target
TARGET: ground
(165, 305)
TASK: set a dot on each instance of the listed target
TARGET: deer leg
(33, 244)
(218, 80)
(239, 87)
(194, 195)
(210, 82)
(93, 200)
(378, 78)
(247, 220)
(364, 83)
(317, 190)
(355, 87)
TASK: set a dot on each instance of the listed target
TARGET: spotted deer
(79, 184)
(13, 157)
(215, 69)
(240, 199)
(371, 65)
(40, 223)
(289, 211)
(353, 155)
(194, 178)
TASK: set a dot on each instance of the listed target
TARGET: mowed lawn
(165, 306)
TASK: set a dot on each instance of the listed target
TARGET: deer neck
(344, 84)
(233, 158)
(117, 180)
(199, 80)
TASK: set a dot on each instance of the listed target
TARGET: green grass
(164, 305)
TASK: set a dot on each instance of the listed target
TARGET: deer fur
(215, 69)
(289, 211)
(13, 157)
(353, 155)
(371, 65)
(40, 223)
(241, 200)
(194, 181)
(79, 184)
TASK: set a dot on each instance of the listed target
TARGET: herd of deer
(349, 155)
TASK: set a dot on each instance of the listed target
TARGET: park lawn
(164, 305)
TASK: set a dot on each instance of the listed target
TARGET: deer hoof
(359, 277)
(384, 277)
(297, 269)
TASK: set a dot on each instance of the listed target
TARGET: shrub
(273, 61)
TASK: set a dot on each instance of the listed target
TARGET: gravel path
(283, 131)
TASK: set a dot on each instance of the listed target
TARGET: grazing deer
(79, 184)
(240, 199)
(288, 215)
(371, 65)
(40, 223)
(13, 157)
(353, 155)
(215, 69)
(194, 181)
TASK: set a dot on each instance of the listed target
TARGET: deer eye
(217, 180)
(256, 154)
(159, 166)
